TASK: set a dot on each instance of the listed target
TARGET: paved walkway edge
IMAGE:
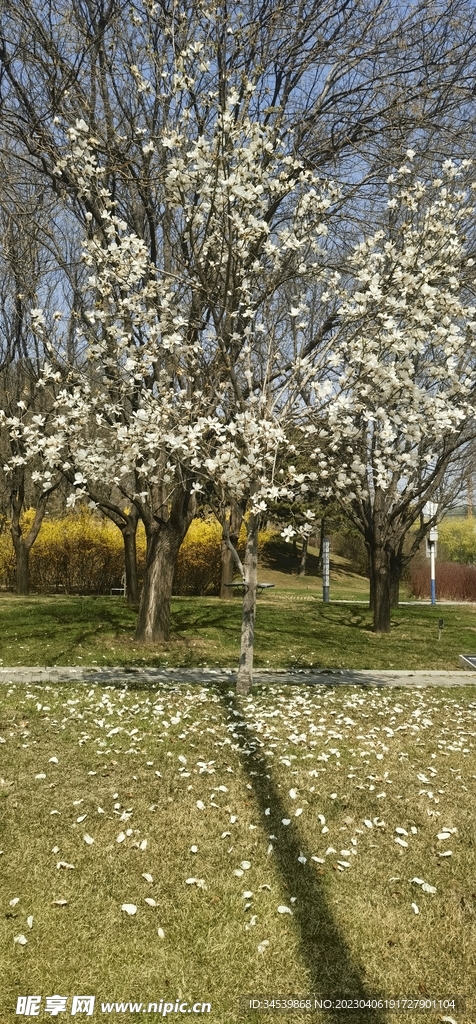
(112, 675)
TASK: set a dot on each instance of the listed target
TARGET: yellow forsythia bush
(199, 559)
(84, 552)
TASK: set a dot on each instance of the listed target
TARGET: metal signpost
(431, 553)
(429, 511)
(325, 569)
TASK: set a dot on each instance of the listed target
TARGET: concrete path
(327, 677)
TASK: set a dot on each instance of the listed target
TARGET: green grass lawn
(299, 841)
(293, 629)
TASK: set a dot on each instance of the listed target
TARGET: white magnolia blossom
(159, 391)
(403, 376)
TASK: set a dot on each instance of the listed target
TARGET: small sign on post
(325, 569)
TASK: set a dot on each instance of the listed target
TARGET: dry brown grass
(349, 755)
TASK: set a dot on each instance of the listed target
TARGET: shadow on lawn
(333, 971)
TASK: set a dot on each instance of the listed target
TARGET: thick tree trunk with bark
(302, 563)
(129, 533)
(381, 577)
(23, 543)
(164, 538)
(396, 569)
(22, 557)
(227, 557)
(245, 667)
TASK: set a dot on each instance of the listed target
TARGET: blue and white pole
(432, 545)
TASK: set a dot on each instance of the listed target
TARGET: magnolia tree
(176, 358)
(399, 403)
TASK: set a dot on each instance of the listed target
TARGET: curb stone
(326, 677)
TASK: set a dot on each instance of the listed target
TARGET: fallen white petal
(298, 812)
(64, 864)
(147, 877)
(238, 872)
(318, 860)
(401, 842)
(262, 946)
(161, 933)
(55, 849)
(415, 908)
(302, 859)
(29, 921)
(53, 760)
(120, 838)
(41, 775)
(88, 839)
(401, 831)
(247, 894)
(293, 794)
(286, 821)
(245, 864)
(150, 902)
(446, 853)
(200, 804)
(194, 849)
(81, 818)
(14, 901)
(143, 845)
(368, 823)
(190, 881)
(20, 939)
(284, 910)
(428, 888)
(59, 903)
(129, 908)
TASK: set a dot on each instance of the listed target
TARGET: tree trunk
(227, 558)
(23, 544)
(129, 533)
(22, 555)
(302, 564)
(245, 668)
(163, 542)
(396, 569)
(322, 534)
(380, 578)
(371, 582)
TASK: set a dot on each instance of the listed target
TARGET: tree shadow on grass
(333, 970)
